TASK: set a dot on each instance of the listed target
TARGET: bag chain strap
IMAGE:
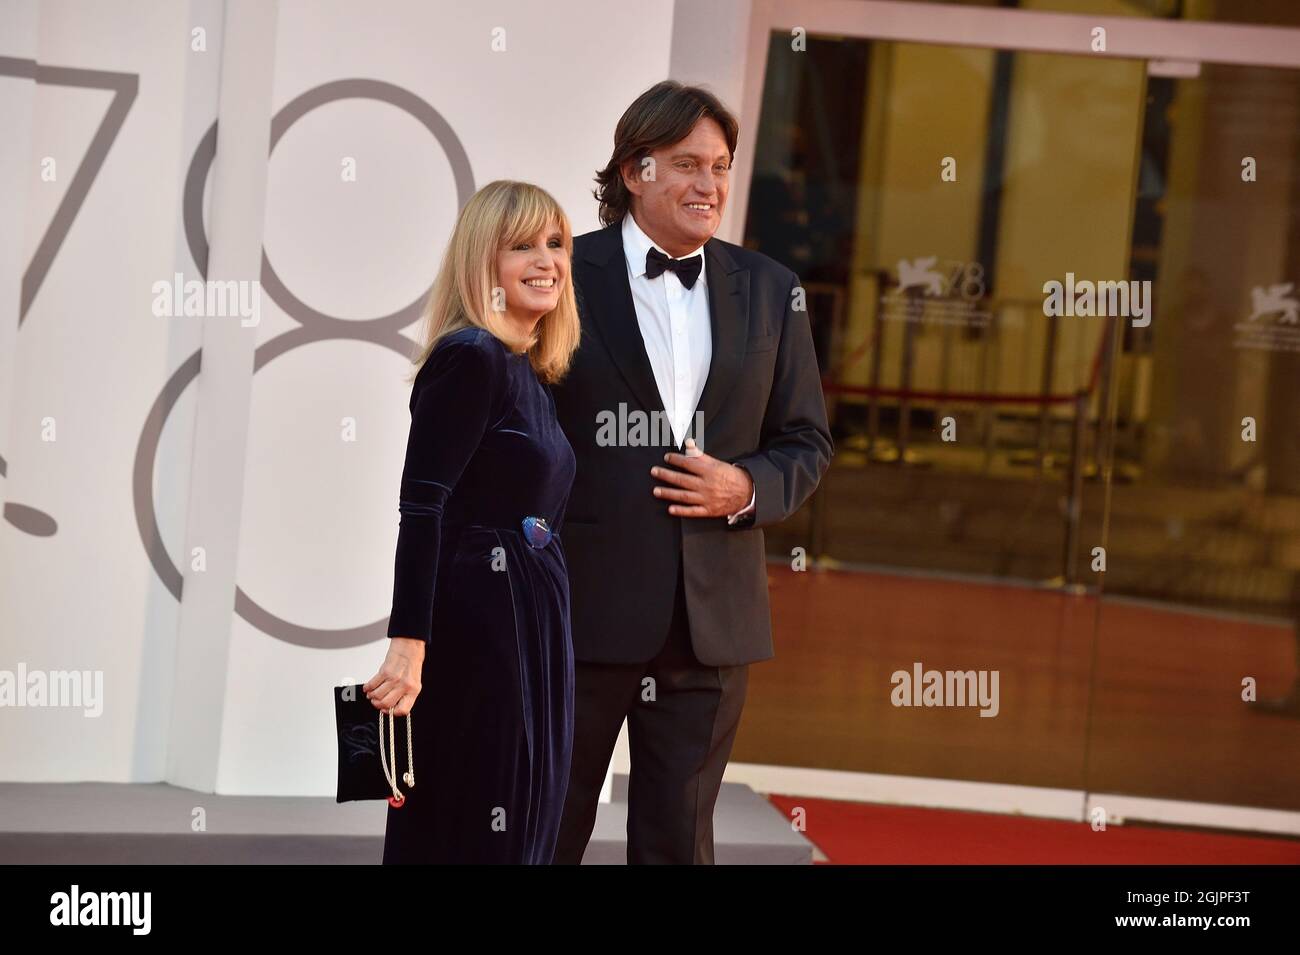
(408, 777)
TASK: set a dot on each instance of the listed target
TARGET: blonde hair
(497, 217)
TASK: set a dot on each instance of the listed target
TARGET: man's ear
(631, 173)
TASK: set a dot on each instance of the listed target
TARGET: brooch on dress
(536, 531)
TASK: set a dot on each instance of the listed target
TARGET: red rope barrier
(974, 397)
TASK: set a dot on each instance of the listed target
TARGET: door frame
(1012, 29)
(1180, 43)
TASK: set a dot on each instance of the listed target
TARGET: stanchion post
(1074, 508)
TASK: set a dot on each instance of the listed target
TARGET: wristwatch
(748, 509)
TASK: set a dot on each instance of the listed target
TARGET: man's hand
(702, 486)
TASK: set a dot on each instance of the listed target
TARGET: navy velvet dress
(493, 724)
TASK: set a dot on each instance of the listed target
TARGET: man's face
(681, 207)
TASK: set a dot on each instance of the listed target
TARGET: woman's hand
(397, 683)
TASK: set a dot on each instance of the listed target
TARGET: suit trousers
(682, 719)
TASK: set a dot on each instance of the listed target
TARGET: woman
(479, 651)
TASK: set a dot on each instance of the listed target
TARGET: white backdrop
(305, 502)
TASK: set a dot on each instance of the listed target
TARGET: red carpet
(856, 833)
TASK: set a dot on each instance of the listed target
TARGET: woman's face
(532, 273)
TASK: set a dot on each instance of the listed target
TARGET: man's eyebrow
(721, 157)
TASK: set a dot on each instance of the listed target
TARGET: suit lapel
(729, 321)
(613, 313)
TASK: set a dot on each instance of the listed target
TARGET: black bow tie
(688, 270)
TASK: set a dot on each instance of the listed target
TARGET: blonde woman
(479, 651)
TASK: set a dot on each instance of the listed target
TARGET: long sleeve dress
(493, 723)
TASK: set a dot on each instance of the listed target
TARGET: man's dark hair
(662, 115)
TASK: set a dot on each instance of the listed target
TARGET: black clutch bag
(367, 749)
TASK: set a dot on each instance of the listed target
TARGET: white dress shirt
(674, 323)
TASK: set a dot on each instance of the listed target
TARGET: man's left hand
(702, 486)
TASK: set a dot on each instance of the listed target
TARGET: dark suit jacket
(762, 409)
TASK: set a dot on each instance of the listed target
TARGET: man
(665, 550)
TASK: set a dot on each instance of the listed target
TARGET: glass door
(1049, 295)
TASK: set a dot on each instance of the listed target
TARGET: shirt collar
(636, 244)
